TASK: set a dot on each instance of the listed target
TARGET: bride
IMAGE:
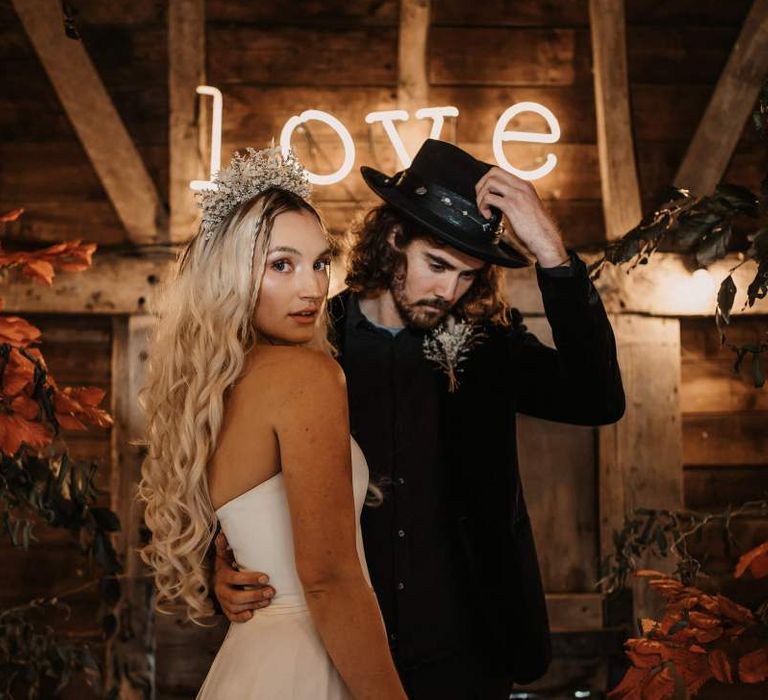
(247, 424)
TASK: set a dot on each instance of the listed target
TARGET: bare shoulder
(292, 371)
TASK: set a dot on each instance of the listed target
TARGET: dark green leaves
(726, 297)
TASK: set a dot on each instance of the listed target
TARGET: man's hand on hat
(518, 200)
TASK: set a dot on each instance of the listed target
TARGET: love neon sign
(387, 119)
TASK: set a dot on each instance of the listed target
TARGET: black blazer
(508, 372)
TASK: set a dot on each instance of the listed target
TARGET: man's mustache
(441, 304)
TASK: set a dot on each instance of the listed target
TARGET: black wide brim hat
(438, 192)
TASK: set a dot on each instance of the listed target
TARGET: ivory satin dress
(277, 654)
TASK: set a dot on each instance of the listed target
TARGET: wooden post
(412, 78)
(186, 70)
(134, 646)
(618, 173)
(641, 460)
(98, 125)
(731, 103)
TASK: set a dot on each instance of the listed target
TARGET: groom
(450, 550)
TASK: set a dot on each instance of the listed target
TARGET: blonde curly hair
(203, 332)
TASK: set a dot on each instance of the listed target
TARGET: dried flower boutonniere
(449, 344)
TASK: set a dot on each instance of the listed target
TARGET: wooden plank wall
(725, 418)
(272, 60)
(42, 165)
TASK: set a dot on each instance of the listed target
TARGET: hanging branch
(703, 227)
(40, 483)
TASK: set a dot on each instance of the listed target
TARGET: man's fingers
(234, 577)
(232, 596)
(222, 546)
(239, 617)
(236, 609)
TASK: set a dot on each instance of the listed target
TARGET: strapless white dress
(277, 654)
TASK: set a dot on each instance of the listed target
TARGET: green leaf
(725, 298)
(739, 198)
(714, 245)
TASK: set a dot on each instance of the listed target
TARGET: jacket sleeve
(580, 381)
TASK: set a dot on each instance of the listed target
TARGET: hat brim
(501, 253)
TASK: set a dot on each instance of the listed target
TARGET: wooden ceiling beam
(622, 208)
(123, 283)
(186, 70)
(106, 141)
(729, 107)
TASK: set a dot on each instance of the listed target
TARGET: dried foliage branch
(41, 484)
(701, 637)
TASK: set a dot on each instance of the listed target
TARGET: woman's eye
(322, 265)
(436, 268)
(280, 265)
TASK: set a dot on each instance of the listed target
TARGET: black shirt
(394, 416)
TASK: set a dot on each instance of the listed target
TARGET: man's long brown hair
(373, 263)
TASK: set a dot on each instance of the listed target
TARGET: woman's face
(296, 277)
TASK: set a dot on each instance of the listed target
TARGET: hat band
(447, 204)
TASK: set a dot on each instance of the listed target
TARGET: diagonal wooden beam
(98, 125)
(733, 99)
(186, 70)
(618, 172)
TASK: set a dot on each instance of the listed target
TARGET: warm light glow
(500, 135)
(702, 286)
(388, 119)
(216, 119)
(346, 140)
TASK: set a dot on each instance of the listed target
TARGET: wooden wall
(273, 60)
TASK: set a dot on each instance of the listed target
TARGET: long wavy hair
(372, 264)
(203, 332)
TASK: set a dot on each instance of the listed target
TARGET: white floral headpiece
(249, 175)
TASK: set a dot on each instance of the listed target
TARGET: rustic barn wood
(730, 106)
(123, 283)
(640, 457)
(558, 472)
(116, 284)
(557, 468)
(333, 13)
(412, 62)
(98, 125)
(726, 439)
(576, 13)
(353, 56)
(186, 70)
(135, 642)
(711, 489)
(618, 172)
(712, 387)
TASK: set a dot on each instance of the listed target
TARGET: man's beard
(424, 314)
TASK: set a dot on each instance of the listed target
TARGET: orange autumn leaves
(31, 403)
(695, 642)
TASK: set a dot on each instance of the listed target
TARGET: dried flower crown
(247, 176)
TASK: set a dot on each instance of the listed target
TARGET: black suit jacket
(508, 372)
